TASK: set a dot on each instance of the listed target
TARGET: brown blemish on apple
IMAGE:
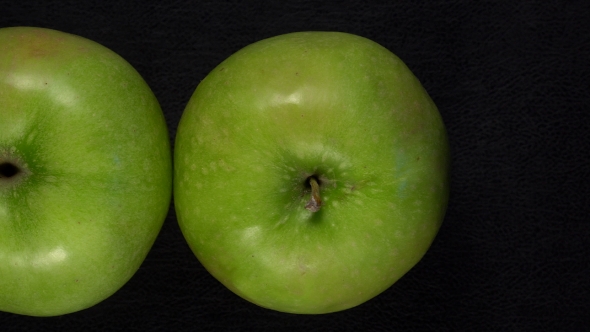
(301, 265)
(38, 53)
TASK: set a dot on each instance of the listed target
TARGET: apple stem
(315, 202)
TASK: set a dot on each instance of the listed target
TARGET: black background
(511, 80)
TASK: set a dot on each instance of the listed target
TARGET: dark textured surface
(511, 80)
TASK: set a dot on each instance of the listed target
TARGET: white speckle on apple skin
(251, 233)
(204, 170)
(31, 137)
(50, 179)
(281, 221)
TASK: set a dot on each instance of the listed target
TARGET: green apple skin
(335, 106)
(94, 179)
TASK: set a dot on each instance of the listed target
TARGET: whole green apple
(311, 171)
(85, 171)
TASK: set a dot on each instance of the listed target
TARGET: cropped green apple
(311, 171)
(85, 171)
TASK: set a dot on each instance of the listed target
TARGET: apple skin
(95, 177)
(331, 105)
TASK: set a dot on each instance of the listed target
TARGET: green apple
(85, 171)
(311, 171)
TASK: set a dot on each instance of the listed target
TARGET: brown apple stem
(315, 202)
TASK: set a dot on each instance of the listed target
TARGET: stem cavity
(8, 170)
